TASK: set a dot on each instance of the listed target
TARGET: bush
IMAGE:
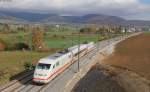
(85, 42)
(28, 65)
(9, 44)
(21, 46)
(54, 36)
(2, 45)
(63, 37)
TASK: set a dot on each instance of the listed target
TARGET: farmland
(51, 39)
(132, 54)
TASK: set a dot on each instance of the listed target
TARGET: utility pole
(31, 36)
(31, 43)
(108, 39)
(78, 50)
(97, 42)
(72, 40)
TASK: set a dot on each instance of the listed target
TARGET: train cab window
(69, 56)
(43, 66)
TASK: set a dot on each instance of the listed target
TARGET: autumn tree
(2, 45)
(37, 38)
(88, 30)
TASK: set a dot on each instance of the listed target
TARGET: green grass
(59, 33)
(19, 57)
(148, 32)
(62, 39)
(67, 41)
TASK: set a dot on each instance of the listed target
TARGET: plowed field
(133, 54)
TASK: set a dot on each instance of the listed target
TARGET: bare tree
(6, 28)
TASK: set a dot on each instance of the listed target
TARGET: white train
(48, 68)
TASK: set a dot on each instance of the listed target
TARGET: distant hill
(32, 17)
(55, 18)
(136, 22)
(4, 18)
(90, 18)
(102, 19)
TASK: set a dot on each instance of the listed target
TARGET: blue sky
(145, 1)
(129, 9)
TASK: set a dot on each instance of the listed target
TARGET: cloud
(125, 8)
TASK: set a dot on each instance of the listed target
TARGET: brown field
(133, 54)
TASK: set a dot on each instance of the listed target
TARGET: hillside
(55, 18)
(4, 18)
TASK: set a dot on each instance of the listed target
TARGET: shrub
(28, 65)
(54, 36)
(9, 44)
(2, 45)
(21, 46)
(85, 42)
(63, 37)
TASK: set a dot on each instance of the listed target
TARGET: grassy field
(51, 39)
(68, 41)
(133, 54)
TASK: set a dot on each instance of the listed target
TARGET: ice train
(49, 67)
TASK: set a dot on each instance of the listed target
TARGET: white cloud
(71, 7)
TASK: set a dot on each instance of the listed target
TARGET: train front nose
(40, 77)
(41, 72)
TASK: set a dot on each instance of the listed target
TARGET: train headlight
(40, 74)
(45, 75)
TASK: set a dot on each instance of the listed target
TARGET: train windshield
(43, 66)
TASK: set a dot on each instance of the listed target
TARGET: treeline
(6, 28)
(30, 40)
(102, 30)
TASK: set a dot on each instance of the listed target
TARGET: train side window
(53, 66)
(69, 56)
(57, 64)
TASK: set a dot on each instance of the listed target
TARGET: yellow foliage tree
(37, 38)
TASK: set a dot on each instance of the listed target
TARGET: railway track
(16, 83)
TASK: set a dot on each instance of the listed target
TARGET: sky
(129, 9)
(145, 1)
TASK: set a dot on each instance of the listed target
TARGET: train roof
(75, 47)
(52, 58)
(46, 61)
(72, 48)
